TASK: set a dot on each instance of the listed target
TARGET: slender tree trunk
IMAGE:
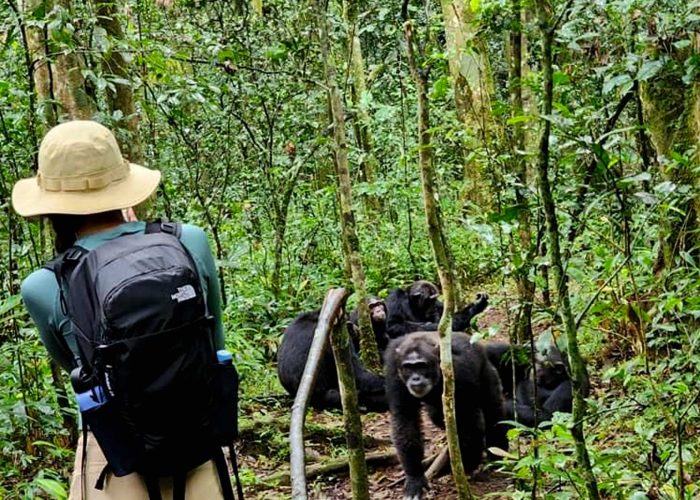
(523, 251)
(361, 120)
(441, 253)
(340, 342)
(368, 345)
(548, 30)
(41, 68)
(114, 64)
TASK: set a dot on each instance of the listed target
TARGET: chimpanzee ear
(434, 297)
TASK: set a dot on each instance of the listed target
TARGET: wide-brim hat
(82, 171)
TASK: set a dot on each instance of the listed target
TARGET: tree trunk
(41, 68)
(441, 253)
(368, 345)
(340, 342)
(121, 98)
(548, 30)
(671, 115)
(471, 81)
(523, 250)
(361, 120)
(69, 84)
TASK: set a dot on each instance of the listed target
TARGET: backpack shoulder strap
(73, 254)
(161, 226)
(62, 266)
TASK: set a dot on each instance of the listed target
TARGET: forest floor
(265, 453)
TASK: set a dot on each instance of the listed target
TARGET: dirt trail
(386, 482)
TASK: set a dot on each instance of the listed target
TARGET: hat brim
(28, 199)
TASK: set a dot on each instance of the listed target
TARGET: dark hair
(66, 227)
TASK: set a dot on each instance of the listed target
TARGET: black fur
(554, 391)
(378, 315)
(416, 309)
(291, 360)
(414, 361)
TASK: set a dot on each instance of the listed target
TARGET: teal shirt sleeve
(40, 295)
(195, 240)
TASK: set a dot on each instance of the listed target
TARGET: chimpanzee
(377, 313)
(553, 391)
(413, 376)
(416, 308)
(291, 360)
(512, 363)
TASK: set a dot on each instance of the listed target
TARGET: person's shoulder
(37, 284)
(191, 231)
(195, 239)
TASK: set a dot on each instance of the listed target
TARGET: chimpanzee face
(420, 373)
(377, 311)
(551, 373)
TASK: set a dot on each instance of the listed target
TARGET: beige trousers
(202, 482)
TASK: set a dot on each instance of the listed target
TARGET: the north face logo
(184, 293)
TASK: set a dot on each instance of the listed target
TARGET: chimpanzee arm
(461, 321)
(559, 399)
(526, 405)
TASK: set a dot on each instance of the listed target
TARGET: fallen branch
(332, 466)
(438, 464)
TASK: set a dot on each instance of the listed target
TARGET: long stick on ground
(332, 308)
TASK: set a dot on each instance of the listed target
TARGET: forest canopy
(562, 138)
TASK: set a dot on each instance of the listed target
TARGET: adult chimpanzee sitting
(377, 315)
(413, 378)
(417, 308)
(291, 360)
(537, 398)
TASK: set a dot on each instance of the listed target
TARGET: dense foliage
(233, 111)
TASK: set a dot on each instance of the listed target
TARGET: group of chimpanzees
(493, 380)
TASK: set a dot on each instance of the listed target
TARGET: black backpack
(149, 384)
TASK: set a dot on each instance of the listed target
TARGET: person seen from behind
(133, 312)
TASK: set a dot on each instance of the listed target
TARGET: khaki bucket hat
(82, 171)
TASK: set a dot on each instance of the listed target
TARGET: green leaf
(641, 177)
(475, 5)
(520, 119)
(52, 488)
(276, 54)
(508, 214)
(623, 82)
(649, 69)
(560, 78)
(440, 88)
(9, 303)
